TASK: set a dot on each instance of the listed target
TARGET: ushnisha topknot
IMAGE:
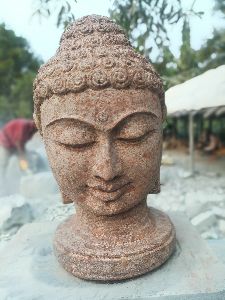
(94, 53)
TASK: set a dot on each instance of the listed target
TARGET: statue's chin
(109, 208)
(108, 204)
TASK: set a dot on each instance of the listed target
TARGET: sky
(44, 36)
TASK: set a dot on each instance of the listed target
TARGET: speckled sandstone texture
(99, 106)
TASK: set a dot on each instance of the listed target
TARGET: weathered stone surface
(29, 270)
(99, 106)
(118, 254)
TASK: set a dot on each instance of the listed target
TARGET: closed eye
(136, 139)
(82, 146)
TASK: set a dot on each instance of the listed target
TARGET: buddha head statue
(99, 106)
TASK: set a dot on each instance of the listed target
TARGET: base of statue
(113, 255)
(192, 273)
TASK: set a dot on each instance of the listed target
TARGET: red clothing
(16, 132)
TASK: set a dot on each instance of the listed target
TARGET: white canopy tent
(203, 91)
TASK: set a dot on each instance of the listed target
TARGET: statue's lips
(111, 194)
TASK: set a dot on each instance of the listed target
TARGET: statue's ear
(65, 198)
(164, 113)
(155, 189)
(37, 123)
(155, 185)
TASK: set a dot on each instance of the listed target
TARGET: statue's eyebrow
(144, 113)
(79, 122)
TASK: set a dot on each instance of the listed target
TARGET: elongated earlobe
(65, 199)
(37, 123)
(164, 113)
(155, 189)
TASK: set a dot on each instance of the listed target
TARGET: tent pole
(191, 142)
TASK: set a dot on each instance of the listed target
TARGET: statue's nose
(107, 164)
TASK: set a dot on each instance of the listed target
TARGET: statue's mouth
(111, 193)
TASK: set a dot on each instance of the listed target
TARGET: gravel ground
(201, 197)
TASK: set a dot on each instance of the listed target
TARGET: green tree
(194, 62)
(212, 53)
(147, 22)
(17, 70)
(220, 6)
(187, 58)
(187, 63)
(22, 95)
(167, 67)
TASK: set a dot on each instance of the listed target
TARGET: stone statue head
(99, 106)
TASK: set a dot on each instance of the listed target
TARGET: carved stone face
(104, 147)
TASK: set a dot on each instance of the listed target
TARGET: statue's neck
(135, 219)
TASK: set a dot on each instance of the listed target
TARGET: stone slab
(29, 270)
(218, 247)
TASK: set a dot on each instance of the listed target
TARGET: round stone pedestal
(111, 256)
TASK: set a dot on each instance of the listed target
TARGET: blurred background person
(13, 137)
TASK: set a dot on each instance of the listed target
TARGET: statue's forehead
(103, 108)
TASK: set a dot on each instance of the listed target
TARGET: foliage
(17, 70)
(62, 9)
(212, 53)
(147, 22)
(187, 63)
(194, 62)
(187, 58)
(220, 6)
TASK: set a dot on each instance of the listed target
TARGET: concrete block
(14, 213)
(13, 175)
(218, 247)
(219, 212)
(29, 270)
(221, 225)
(204, 220)
(38, 185)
